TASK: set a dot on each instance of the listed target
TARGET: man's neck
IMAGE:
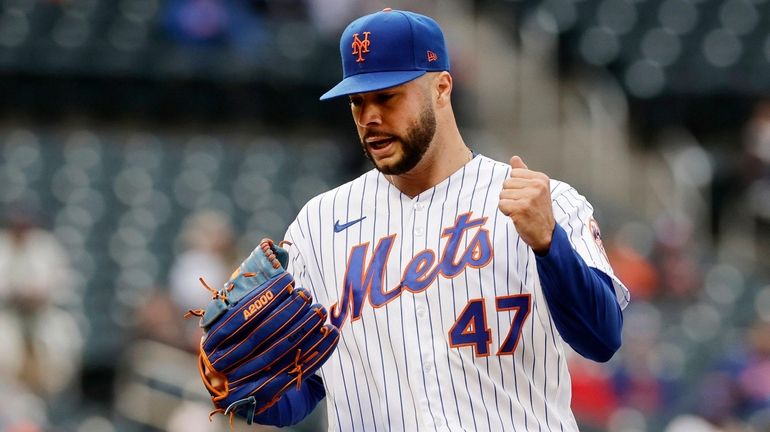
(440, 162)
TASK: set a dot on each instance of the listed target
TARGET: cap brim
(372, 81)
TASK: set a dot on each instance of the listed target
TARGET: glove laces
(215, 294)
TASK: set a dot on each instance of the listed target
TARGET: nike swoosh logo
(341, 227)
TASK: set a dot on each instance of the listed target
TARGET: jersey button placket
(419, 218)
(432, 390)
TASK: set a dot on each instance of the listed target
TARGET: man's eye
(384, 97)
(355, 101)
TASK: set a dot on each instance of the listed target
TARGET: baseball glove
(262, 335)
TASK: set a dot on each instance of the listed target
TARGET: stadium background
(154, 141)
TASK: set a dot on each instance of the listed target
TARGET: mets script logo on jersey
(361, 46)
(365, 280)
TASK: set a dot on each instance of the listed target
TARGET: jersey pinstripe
(443, 323)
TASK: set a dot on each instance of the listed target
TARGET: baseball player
(453, 280)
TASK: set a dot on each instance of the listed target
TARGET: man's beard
(413, 145)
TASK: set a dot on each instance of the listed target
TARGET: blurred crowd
(696, 348)
(245, 24)
(40, 335)
(696, 342)
(42, 329)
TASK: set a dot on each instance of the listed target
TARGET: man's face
(396, 126)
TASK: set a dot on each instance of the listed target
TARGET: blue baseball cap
(386, 49)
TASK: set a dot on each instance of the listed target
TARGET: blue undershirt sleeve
(295, 404)
(581, 300)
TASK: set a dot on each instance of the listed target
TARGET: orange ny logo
(361, 46)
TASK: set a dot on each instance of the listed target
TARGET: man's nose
(369, 115)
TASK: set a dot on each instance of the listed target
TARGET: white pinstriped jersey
(443, 323)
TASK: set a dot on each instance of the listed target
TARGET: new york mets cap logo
(361, 46)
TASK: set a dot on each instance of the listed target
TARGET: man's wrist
(542, 249)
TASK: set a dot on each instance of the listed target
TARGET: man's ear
(443, 88)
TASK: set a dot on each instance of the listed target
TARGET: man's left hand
(526, 199)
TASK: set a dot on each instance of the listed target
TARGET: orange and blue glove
(263, 336)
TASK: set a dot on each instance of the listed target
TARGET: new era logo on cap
(386, 49)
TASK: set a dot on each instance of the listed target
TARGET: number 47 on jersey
(470, 328)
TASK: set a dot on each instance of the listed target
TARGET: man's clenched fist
(526, 199)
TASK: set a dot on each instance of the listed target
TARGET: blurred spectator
(247, 31)
(757, 141)
(187, 418)
(641, 378)
(689, 423)
(160, 319)
(331, 16)
(209, 253)
(631, 264)
(739, 171)
(756, 172)
(680, 272)
(738, 387)
(643, 382)
(41, 340)
(20, 410)
(240, 23)
(593, 396)
(202, 22)
(753, 377)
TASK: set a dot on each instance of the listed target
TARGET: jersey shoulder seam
(558, 188)
(314, 201)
